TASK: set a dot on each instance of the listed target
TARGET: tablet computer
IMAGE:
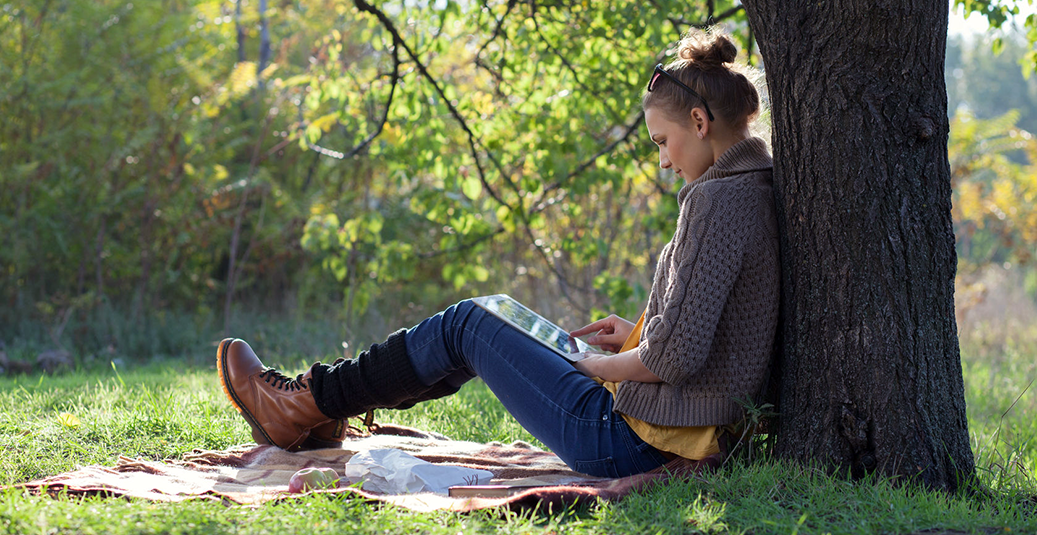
(534, 325)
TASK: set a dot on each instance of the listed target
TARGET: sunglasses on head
(660, 72)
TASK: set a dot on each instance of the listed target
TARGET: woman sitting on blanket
(704, 340)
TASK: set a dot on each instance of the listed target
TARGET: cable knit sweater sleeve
(698, 270)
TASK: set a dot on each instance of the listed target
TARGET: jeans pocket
(646, 457)
(600, 467)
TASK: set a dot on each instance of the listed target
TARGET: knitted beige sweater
(713, 310)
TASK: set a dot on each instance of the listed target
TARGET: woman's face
(680, 147)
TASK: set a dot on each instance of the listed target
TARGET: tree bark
(871, 374)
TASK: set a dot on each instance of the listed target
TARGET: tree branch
(381, 124)
(631, 128)
(463, 245)
(710, 18)
(362, 5)
(660, 187)
(493, 37)
(563, 281)
(233, 274)
(497, 29)
(565, 61)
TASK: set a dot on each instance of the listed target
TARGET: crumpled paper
(392, 471)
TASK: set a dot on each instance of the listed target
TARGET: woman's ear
(699, 122)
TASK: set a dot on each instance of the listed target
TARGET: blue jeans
(564, 409)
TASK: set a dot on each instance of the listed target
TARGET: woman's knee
(466, 306)
(454, 321)
(463, 313)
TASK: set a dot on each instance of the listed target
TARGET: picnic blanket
(256, 474)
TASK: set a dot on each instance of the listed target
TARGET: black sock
(381, 377)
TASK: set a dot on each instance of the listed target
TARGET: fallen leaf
(68, 420)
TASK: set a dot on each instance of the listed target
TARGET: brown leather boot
(329, 435)
(281, 410)
(324, 436)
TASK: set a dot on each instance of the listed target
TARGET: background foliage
(172, 171)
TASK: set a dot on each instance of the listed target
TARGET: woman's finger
(596, 326)
(606, 338)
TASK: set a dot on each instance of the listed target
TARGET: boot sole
(221, 364)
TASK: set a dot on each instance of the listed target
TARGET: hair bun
(707, 50)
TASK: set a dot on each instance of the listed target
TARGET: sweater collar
(746, 156)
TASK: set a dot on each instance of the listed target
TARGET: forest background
(313, 175)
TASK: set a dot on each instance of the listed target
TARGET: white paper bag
(392, 471)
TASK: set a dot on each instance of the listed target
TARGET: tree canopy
(151, 157)
(168, 156)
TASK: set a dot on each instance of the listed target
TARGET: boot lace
(281, 381)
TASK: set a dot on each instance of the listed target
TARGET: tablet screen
(533, 324)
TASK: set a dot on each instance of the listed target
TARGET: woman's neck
(724, 139)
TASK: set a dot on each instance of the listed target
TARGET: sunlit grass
(52, 424)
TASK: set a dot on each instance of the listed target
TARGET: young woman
(704, 340)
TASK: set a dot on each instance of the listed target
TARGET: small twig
(997, 433)
(55, 333)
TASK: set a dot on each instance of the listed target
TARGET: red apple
(309, 479)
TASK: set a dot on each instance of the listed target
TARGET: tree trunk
(872, 377)
(239, 30)
(232, 279)
(264, 41)
(99, 258)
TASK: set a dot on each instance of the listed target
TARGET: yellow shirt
(689, 442)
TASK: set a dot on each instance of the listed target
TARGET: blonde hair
(705, 63)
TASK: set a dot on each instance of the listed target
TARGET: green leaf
(471, 187)
(313, 133)
(480, 273)
(324, 122)
(298, 79)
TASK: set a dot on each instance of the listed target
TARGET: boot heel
(257, 435)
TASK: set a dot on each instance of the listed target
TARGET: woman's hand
(593, 365)
(625, 366)
(613, 331)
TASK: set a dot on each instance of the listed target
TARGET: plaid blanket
(252, 474)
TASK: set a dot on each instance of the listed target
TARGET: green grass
(1001, 397)
(162, 410)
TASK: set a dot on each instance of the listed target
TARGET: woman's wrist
(625, 366)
